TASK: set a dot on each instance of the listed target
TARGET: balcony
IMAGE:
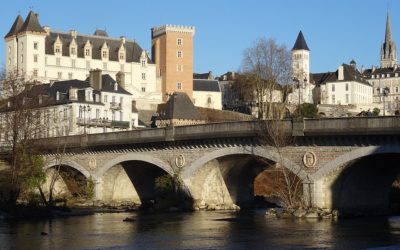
(102, 123)
(115, 105)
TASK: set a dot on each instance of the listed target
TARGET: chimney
(373, 68)
(123, 39)
(73, 33)
(47, 29)
(95, 79)
(362, 69)
(121, 78)
(340, 73)
(57, 96)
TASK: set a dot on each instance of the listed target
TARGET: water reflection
(199, 230)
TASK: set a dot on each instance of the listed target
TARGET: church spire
(388, 49)
(388, 33)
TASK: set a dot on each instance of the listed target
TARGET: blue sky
(336, 31)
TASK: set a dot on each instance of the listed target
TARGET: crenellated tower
(172, 51)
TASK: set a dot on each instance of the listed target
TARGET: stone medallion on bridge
(180, 160)
(92, 163)
(309, 159)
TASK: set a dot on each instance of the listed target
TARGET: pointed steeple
(388, 33)
(300, 43)
(388, 48)
(32, 24)
(15, 27)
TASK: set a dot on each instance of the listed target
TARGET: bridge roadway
(337, 159)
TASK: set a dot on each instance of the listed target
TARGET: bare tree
(266, 66)
(21, 121)
(286, 184)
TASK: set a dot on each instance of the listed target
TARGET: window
(179, 67)
(333, 99)
(378, 90)
(80, 112)
(35, 72)
(179, 54)
(70, 75)
(143, 89)
(179, 41)
(143, 62)
(104, 53)
(333, 87)
(397, 89)
(113, 99)
(105, 66)
(97, 113)
(59, 75)
(143, 76)
(121, 56)
(209, 100)
(35, 58)
(347, 98)
(58, 61)
(73, 63)
(121, 99)
(105, 98)
(87, 52)
(347, 87)
(73, 51)
(58, 49)
(35, 45)
(179, 85)
(113, 115)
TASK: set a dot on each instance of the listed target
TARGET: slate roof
(133, 50)
(179, 106)
(349, 74)
(379, 71)
(15, 27)
(204, 76)
(206, 85)
(300, 43)
(108, 85)
(32, 24)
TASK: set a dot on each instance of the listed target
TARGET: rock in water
(127, 219)
(43, 233)
(299, 213)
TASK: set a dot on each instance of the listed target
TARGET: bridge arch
(69, 163)
(353, 155)
(226, 177)
(254, 151)
(133, 157)
(364, 181)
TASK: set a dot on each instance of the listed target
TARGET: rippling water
(199, 230)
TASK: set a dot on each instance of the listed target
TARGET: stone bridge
(344, 163)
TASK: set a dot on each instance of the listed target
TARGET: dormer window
(104, 51)
(87, 52)
(58, 49)
(143, 61)
(104, 54)
(121, 56)
(115, 87)
(73, 51)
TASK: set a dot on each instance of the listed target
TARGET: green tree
(376, 111)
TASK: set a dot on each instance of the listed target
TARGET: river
(199, 230)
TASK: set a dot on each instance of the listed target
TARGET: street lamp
(300, 85)
(385, 93)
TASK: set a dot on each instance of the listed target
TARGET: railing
(102, 123)
(115, 105)
(119, 124)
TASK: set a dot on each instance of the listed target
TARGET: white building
(72, 107)
(346, 86)
(45, 55)
(206, 91)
